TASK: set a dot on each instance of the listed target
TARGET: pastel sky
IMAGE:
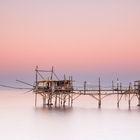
(84, 38)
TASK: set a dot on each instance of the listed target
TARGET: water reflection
(54, 109)
(19, 119)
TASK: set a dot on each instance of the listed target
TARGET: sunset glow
(75, 36)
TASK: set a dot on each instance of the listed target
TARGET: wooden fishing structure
(53, 90)
(63, 92)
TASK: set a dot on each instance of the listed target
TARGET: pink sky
(75, 36)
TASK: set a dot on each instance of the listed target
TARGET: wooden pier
(61, 93)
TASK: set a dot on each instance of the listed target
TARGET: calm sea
(20, 120)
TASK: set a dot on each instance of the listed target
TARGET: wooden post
(44, 100)
(99, 103)
(69, 99)
(138, 98)
(72, 83)
(36, 86)
(56, 100)
(64, 99)
(138, 93)
(64, 77)
(118, 98)
(85, 84)
(129, 100)
(51, 99)
(71, 91)
(59, 99)
(113, 86)
(52, 71)
(121, 88)
(121, 91)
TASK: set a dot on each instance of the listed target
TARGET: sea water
(20, 120)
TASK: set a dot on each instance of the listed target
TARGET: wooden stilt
(85, 84)
(56, 100)
(138, 99)
(99, 103)
(59, 100)
(118, 98)
(129, 100)
(113, 86)
(36, 85)
(35, 99)
(71, 100)
(44, 100)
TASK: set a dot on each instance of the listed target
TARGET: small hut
(137, 86)
(54, 85)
